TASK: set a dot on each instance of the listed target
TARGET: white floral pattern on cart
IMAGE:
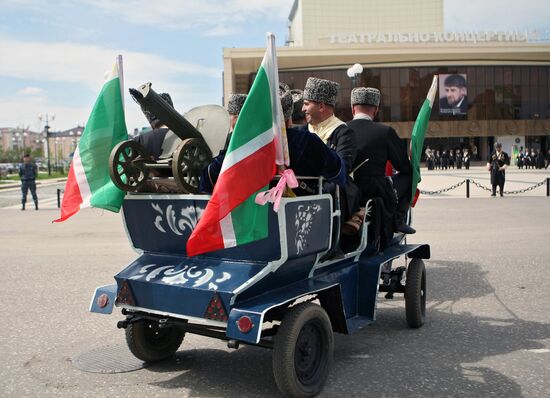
(166, 219)
(172, 275)
(303, 224)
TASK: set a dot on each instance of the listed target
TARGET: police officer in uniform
(497, 164)
(380, 143)
(28, 173)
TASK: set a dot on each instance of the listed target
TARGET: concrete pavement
(487, 330)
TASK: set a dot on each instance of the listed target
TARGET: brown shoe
(353, 225)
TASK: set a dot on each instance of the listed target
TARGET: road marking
(362, 356)
(539, 350)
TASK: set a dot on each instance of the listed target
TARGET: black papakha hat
(321, 90)
(365, 96)
(235, 103)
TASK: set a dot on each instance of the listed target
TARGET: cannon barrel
(153, 102)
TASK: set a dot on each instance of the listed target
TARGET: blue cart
(283, 293)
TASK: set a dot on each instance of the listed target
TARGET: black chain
(511, 192)
(443, 190)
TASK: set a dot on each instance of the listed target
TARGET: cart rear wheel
(150, 343)
(415, 293)
(127, 165)
(303, 350)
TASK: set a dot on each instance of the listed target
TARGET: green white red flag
(89, 183)
(231, 216)
(418, 133)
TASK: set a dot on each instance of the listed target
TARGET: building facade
(506, 73)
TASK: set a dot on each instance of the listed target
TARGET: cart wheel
(302, 351)
(127, 166)
(415, 293)
(188, 161)
(150, 343)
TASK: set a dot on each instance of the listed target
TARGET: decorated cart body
(278, 292)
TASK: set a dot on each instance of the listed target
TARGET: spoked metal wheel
(415, 293)
(302, 351)
(188, 161)
(127, 166)
(150, 343)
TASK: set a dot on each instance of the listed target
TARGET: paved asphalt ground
(487, 330)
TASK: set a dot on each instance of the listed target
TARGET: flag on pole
(418, 133)
(89, 183)
(232, 217)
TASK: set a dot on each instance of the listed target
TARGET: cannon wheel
(151, 343)
(415, 293)
(303, 350)
(127, 166)
(188, 161)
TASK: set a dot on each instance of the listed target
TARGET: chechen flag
(231, 216)
(89, 183)
(418, 134)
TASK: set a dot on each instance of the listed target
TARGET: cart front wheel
(151, 343)
(303, 350)
(415, 293)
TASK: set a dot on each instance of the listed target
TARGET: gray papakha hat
(321, 90)
(365, 96)
(235, 103)
(286, 100)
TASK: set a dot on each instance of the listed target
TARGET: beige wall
(315, 20)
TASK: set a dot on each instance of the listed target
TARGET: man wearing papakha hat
(309, 156)
(234, 106)
(319, 101)
(380, 143)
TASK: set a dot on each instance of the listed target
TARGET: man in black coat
(376, 144)
(497, 164)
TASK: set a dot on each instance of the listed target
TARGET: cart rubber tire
(415, 293)
(303, 350)
(150, 343)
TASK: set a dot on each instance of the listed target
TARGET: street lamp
(46, 118)
(354, 72)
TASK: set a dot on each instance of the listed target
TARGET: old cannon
(186, 149)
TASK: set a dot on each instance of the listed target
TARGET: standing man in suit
(380, 143)
(497, 164)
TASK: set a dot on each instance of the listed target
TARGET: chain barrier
(516, 192)
(444, 189)
(477, 184)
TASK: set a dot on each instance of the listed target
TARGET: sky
(54, 54)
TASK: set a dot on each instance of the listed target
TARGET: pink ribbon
(274, 194)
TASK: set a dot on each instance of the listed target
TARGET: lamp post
(354, 72)
(46, 118)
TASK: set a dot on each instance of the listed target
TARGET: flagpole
(282, 158)
(120, 77)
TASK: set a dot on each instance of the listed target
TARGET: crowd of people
(532, 159)
(448, 159)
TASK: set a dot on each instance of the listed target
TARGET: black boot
(23, 206)
(36, 205)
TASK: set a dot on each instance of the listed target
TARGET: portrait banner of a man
(453, 94)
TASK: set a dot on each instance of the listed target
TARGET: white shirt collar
(361, 115)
